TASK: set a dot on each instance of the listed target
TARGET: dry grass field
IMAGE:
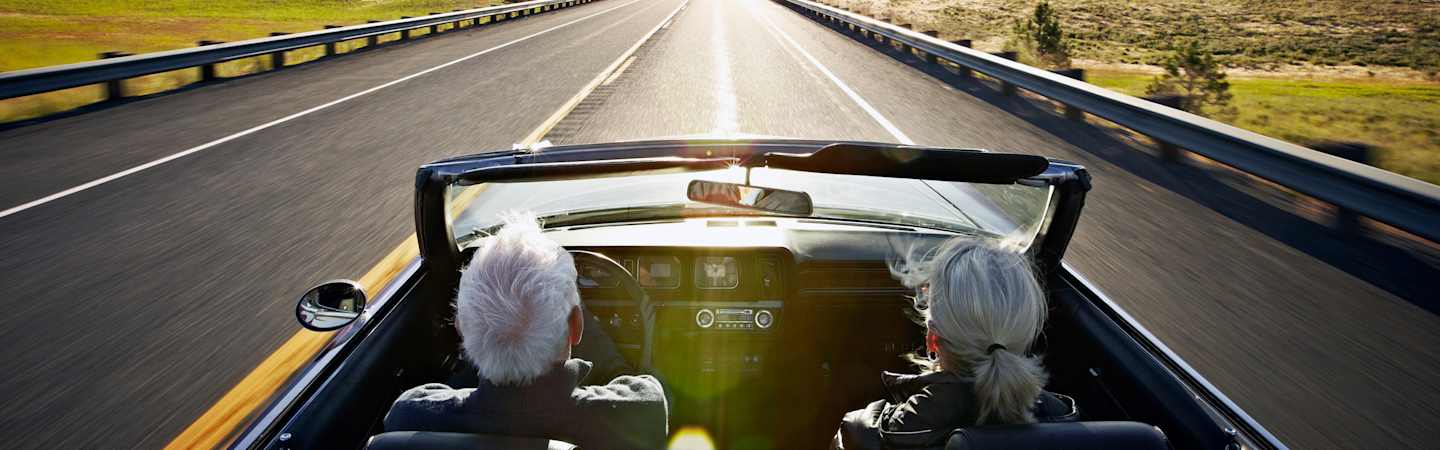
(1304, 71)
(1263, 34)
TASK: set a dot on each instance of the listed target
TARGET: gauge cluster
(683, 274)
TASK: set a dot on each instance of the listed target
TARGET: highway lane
(1306, 348)
(136, 304)
(131, 307)
(55, 155)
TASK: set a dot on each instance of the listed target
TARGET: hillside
(1303, 71)
(1262, 34)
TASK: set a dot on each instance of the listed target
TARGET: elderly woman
(518, 314)
(983, 307)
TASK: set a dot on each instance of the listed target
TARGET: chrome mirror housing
(331, 305)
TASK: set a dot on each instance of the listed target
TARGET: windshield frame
(434, 221)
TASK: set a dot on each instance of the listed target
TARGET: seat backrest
(1063, 435)
(432, 440)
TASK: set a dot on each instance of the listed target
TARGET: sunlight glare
(691, 438)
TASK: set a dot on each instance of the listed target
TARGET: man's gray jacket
(628, 413)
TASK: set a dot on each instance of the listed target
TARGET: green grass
(38, 33)
(1402, 120)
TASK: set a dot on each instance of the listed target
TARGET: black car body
(835, 317)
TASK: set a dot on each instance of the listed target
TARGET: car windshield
(1010, 211)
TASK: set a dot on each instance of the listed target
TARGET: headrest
(431, 440)
(1066, 435)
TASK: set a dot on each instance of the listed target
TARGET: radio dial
(705, 318)
(763, 319)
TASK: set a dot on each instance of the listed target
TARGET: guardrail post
(330, 46)
(1169, 151)
(115, 89)
(903, 46)
(434, 28)
(207, 72)
(1346, 220)
(372, 40)
(930, 57)
(1005, 87)
(277, 59)
(1071, 111)
(405, 34)
(960, 68)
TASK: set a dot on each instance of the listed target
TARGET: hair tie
(993, 347)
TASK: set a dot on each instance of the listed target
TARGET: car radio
(734, 318)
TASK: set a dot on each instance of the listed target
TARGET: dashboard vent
(848, 278)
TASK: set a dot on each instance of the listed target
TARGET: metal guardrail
(45, 79)
(1403, 202)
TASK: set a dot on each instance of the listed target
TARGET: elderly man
(518, 314)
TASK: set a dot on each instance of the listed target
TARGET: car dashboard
(748, 311)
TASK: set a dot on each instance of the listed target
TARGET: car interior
(765, 331)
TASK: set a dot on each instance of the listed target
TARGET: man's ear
(577, 326)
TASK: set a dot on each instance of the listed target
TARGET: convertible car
(751, 276)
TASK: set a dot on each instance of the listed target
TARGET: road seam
(615, 66)
(267, 125)
(618, 72)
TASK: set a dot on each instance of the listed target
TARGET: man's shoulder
(627, 412)
(624, 389)
(420, 407)
(433, 392)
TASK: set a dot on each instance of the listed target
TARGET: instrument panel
(691, 274)
(694, 290)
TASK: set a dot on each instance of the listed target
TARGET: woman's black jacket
(923, 410)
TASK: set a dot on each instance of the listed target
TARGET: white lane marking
(727, 119)
(565, 109)
(874, 114)
(207, 145)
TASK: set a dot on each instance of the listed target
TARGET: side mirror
(331, 305)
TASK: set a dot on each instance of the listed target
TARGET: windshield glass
(1010, 211)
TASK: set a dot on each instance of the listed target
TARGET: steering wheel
(637, 295)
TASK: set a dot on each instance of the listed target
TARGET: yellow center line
(219, 424)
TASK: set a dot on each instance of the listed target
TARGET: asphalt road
(132, 306)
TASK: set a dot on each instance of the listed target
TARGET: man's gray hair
(514, 301)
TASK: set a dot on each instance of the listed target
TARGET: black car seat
(433, 440)
(1060, 435)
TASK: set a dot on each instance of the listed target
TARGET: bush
(1041, 40)
(1195, 76)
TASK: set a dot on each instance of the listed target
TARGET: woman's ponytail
(1006, 385)
(986, 307)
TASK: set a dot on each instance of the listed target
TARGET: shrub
(1040, 39)
(1195, 76)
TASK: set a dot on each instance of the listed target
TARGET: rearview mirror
(751, 197)
(330, 305)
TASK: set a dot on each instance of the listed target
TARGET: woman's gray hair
(514, 301)
(982, 299)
